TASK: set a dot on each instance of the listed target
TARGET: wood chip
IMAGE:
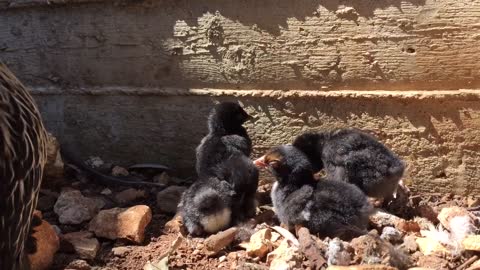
(220, 240)
(468, 262)
(288, 235)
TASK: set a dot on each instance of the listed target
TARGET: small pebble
(106, 192)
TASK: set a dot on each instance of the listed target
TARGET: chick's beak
(260, 162)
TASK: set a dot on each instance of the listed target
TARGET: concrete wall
(133, 81)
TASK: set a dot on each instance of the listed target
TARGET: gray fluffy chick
(224, 155)
(328, 207)
(226, 135)
(355, 157)
(205, 206)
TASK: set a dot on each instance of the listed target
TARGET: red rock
(122, 223)
(48, 244)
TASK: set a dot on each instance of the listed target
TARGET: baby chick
(205, 207)
(225, 136)
(228, 179)
(240, 172)
(328, 207)
(355, 157)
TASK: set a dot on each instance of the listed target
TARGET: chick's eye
(274, 164)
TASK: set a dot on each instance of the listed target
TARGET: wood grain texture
(331, 44)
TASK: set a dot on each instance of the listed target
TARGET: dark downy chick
(205, 206)
(328, 207)
(355, 157)
(225, 135)
(224, 154)
(240, 172)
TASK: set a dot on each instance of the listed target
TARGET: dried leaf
(309, 248)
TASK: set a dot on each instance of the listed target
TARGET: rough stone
(78, 265)
(284, 257)
(85, 245)
(95, 162)
(106, 192)
(391, 235)
(129, 195)
(174, 225)
(120, 251)
(168, 199)
(122, 223)
(338, 253)
(119, 171)
(260, 243)
(73, 208)
(410, 244)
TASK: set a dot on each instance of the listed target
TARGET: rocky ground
(90, 226)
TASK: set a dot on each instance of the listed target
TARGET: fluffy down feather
(355, 157)
(328, 207)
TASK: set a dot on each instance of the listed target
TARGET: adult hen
(23, 156)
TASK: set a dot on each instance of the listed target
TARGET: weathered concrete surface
(436, 132)
(272, 44)
(133, 81)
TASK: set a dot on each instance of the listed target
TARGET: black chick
(224, 154)
(240, 172)
(205, 207)
(328, 207)
(355, 157)
(225, 135)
